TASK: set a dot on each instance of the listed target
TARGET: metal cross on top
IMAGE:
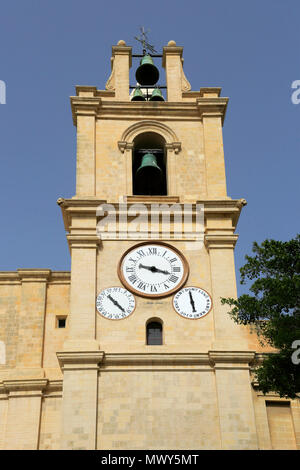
(144, 40)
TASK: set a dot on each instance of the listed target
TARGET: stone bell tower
(133, 349)
(121, 391)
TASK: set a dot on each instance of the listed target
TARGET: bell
(147, 73)
(156, 95)
(138, 95)
(148, 177)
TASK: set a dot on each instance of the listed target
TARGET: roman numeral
(153, 289)
(173, 260)
(173, 278)
(141, 253)
(176, 269)
(132, 278)
(152, 251)
(130, 270)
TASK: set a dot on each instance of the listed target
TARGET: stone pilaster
(32, 317)
(228, 335)
(233, 387)
(172, 62)
(80, 394)
(121, 55)
(82, 319)
(23, 413)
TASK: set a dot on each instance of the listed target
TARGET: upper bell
(156, 95)
(147, 73)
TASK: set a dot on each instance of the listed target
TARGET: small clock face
(115, 303)
(192, 302)
(153, 269)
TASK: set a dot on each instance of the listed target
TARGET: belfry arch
(139, 135)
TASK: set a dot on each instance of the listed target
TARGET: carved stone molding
(231, 359)
(84, 106)
(75, 360)
(34, 275)
(149, 126)
(25, 387)
(83, 241)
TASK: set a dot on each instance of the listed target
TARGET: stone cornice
(34, 275)
(212, 107)
(27, 385)
(83, 241)
(149, 359)
(84, 106)
(121, 50)
(171, 50)
(228, 207)
(211, 360)
(220, 241)
(15, 277)
(71, 360)
(210, 90)
(228, 359)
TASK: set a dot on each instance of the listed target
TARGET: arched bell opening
(149, 165)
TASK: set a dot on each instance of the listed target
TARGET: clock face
(192, 302)
(153, 269)
(115, 303)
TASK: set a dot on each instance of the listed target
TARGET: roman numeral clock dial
(153, 269)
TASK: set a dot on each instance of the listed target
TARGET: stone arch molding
(131, 132)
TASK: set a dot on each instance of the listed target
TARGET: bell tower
(152, 359)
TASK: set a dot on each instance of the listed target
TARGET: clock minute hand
(116, 303)
(161, 271)
(153, 269)
(192, 301)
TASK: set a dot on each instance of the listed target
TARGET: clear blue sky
(249, 48)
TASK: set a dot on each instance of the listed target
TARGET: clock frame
(160, 294)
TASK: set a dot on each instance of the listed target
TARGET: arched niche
(154, 332)
(133, 137)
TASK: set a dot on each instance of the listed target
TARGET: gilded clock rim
(195, 287)
(186, 270)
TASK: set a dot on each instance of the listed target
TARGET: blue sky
(250, 49)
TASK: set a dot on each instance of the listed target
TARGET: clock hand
(116, 303)
(192, 301)
(153, 269)
(161, 271)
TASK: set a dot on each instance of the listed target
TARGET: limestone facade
(72, 379)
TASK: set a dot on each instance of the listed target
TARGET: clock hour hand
(116, 303)
(192, 301)
(153, 269)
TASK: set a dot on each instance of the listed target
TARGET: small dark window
(154, 333)
(61, 322)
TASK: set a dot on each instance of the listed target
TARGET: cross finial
(144, 40)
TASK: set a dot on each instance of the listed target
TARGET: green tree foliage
(273, 308)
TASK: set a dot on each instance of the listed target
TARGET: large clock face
(153, 269)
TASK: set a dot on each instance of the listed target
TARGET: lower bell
(156, 95)
(148, 177)
(138, 95)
